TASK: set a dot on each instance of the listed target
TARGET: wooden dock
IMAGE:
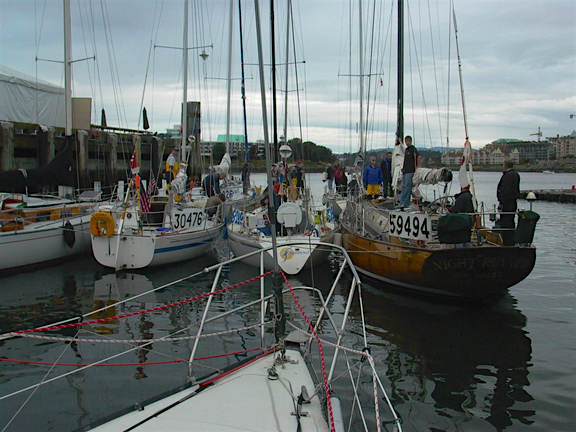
(553, 195)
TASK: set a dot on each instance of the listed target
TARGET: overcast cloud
(518, 59)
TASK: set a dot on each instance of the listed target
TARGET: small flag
(145, 124)
(103, 119)
(134, 167)
(381, 82)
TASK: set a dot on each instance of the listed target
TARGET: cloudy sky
(518, 60)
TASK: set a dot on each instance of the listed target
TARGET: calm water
(510, 366)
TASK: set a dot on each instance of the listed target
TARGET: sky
(518, 62)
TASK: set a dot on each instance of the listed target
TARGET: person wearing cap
(299, 176)
(172, 165)
(463, 203)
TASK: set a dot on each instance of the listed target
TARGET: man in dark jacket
(211, 183)
(463, 202)
(386, 168)
(508, 191)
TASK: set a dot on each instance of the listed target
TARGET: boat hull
(291, 258)
(131, 251)
(466, 273)
(42, 244)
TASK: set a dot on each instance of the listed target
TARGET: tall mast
(287, 63)
(185, 85)
(361, 59)
(229, 88)
(277, 278)
(68, 67)
(400, 78)
(243, 85)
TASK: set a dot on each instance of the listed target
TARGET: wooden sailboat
(146, 229)
(419, 250)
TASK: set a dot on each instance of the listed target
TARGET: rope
(130, 364)
(321, 351)
(131, 341)
(366, 354)
(98, 321)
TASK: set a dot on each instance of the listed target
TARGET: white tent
(25, 99)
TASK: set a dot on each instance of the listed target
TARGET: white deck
(246, 400)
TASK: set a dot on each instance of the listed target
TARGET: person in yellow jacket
(172, 165)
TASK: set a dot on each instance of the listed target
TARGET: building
(565, 145)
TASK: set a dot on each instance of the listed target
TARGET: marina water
(509, 366)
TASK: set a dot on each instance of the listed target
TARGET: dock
(553, 195)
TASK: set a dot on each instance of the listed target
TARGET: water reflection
(453, 364)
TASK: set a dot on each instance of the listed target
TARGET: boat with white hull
(125, 237)
(35, 230)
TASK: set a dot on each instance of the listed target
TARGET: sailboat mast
(289, 6)
(277, 278)
(400, 76)
(68, 66)
(185, 84)
(361, 59)
(243, 85)
(229, 88)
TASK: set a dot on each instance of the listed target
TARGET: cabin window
(42, 216)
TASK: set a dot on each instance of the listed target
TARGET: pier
(553, 195)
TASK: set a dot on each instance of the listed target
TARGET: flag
(466, 158)
(103, 119)
(134, 167)
(145, 124)
(144, 200)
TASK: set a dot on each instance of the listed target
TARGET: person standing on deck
(372, 179)
(329, 176)
(412, 160)
(171, 165)
(246, 178)
(386, 168)
(508, 191)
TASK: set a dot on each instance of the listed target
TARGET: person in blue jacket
(372, 179)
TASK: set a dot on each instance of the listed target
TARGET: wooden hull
(466, 273)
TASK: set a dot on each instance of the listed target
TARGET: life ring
(102, 223)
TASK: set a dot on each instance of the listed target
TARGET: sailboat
(303, 226)
(285, 349)
(145, 229)
(425, 248)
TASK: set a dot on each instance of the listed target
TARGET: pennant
(466, 158)
(103, 119)
(134, 166)
(145, 123)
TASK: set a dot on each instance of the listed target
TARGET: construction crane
(539, 133)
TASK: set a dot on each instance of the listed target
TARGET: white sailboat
(134, 233)
(303, 226)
